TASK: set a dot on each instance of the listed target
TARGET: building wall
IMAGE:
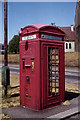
(69, 46)
(77, 14)
(77, 27)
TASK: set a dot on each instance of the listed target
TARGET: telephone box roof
(37, 27)
(40, 25)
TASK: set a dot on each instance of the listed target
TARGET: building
(77, 26)
(69, 38)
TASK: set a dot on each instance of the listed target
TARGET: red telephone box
(42, 69)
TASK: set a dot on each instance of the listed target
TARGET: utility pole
(5, 71)
(5, 43)
(5, 34)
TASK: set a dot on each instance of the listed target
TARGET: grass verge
(71, 59)
(13, 95)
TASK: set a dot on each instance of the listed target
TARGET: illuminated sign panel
(50, 37)
(29, 37)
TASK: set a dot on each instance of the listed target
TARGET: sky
(21, 14)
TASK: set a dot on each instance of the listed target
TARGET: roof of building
(69, 35)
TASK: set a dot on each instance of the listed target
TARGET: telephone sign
(29, 37)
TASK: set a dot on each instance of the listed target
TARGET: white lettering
(29, 37)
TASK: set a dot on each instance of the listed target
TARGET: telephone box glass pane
(57, 90)
(53, 71)
(53, 67)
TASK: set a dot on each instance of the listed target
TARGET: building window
(66, 45)
(69, 45)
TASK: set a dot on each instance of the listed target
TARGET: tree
(14, 44)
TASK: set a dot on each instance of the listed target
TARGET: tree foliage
(14, 45)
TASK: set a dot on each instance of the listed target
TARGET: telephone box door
(54, 80)
(27, 81)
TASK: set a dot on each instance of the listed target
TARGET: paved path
(60, 111)
(66, 113)
(71, 73)
(67, 69)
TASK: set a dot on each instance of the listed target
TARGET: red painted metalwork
(42, 76)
